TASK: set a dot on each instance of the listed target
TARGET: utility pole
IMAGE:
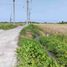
(28, 11)
(10, 19)
(14, 11)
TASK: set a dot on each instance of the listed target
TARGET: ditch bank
(31, 53)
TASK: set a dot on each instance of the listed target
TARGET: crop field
(36, 49)
(53, 28)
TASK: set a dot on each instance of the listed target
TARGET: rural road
(8, 45)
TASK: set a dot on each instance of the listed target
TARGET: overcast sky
(41, 10)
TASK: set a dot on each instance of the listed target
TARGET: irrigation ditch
(34, 41)
(50, 54)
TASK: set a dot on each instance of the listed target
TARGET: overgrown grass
(30, 30)
(58, 46)
(30, 52)
(7, 26)
(56, 42)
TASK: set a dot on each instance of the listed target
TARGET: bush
(31, 54)
(7, 26)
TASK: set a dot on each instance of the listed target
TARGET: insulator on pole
(13, 0)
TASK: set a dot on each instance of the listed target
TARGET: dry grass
(53, 28)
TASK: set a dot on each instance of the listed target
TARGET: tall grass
(57, 46)
(30, 52)
(7, 26)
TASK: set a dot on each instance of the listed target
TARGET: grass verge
(7, 26)
(30, 52)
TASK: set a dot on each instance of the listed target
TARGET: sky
(41, 10)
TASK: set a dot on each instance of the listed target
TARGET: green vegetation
(30, 52)
(57, 46)
(36, 49)
(7, 26)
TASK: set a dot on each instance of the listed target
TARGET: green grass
(58, 46)
(30, 52)
(7, 26)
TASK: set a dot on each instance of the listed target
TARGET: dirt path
(8, 45)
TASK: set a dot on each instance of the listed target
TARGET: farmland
(54, 28)
(41, 45)
(36, 49)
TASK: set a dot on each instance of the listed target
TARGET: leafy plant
(58, 48)
(31, 54)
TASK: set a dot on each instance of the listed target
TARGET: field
(54, 28)
(41, 45)
(36, 49)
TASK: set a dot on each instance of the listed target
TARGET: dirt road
(8, 45)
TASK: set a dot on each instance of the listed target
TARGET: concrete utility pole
(14, 11)
(10, 19)
(28, 11)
